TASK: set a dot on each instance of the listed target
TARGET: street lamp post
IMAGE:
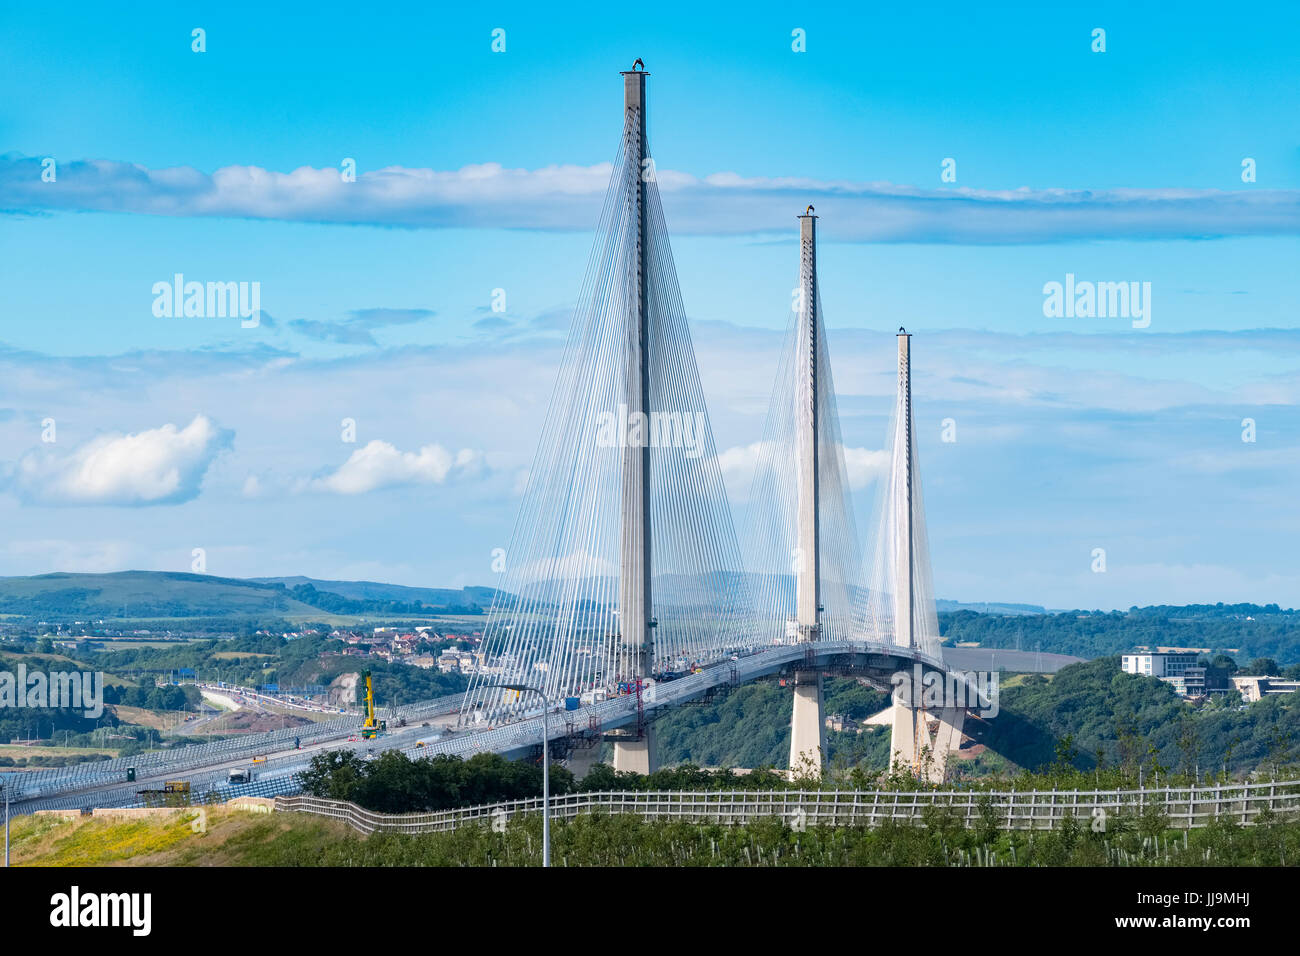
(5, 788)
(546, 769)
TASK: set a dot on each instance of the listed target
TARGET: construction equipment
(373, 726)
(174, 793)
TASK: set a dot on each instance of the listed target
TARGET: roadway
(424, 736)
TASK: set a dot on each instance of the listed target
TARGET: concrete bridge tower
(922, 737)
(634, 749)
(807, 726)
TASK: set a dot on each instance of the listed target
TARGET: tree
(1263, 666)
(1066, 754)
(334, 775)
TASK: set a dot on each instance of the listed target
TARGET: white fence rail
(1185, 807)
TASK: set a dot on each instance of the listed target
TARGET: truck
(240, 775)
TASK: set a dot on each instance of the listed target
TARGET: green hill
(144, 594)
(378, 591)
(136, 595)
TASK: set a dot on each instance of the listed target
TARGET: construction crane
(373, 726)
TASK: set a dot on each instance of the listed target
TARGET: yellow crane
(373, 726)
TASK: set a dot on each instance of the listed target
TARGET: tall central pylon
(635, 750)
(923, 737)
(624, 564)
(803, 542)
(807, 725)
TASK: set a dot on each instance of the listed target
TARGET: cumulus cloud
(159, 466)
(569, 197)
(865, 465)
(381, 464)
(738, 465)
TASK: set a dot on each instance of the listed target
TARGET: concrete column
(904, 609)
(634, 605)
(807, 726)
(808, 580)
(637, 754)
(918, 750)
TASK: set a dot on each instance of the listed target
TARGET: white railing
(1184, 807)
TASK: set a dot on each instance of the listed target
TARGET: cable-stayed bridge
(625, 586)
(624, 571)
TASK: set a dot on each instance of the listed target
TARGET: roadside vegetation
(238, 838)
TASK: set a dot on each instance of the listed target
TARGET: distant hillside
(65, 598)
(141, 594)
(942, 605)
(1246, 630)
(377, 591)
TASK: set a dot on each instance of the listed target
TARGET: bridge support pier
(807, 726)
(923, 740)
(636, 754)
(582, 759)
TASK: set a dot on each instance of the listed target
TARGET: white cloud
(738, 465)
(865, 465)
(159, 466)
(569, 197)
(380, 465)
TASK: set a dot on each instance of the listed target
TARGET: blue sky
(480, 171)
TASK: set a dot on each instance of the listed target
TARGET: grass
(21, 750)
(89, 842)
(154, 719)
(1015, 680)
(238, 838)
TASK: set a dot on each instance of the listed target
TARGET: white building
(1179, 670)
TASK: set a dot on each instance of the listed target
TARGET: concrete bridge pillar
(807, 726)
(923, 739)
(637, 754)
(635, 603)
